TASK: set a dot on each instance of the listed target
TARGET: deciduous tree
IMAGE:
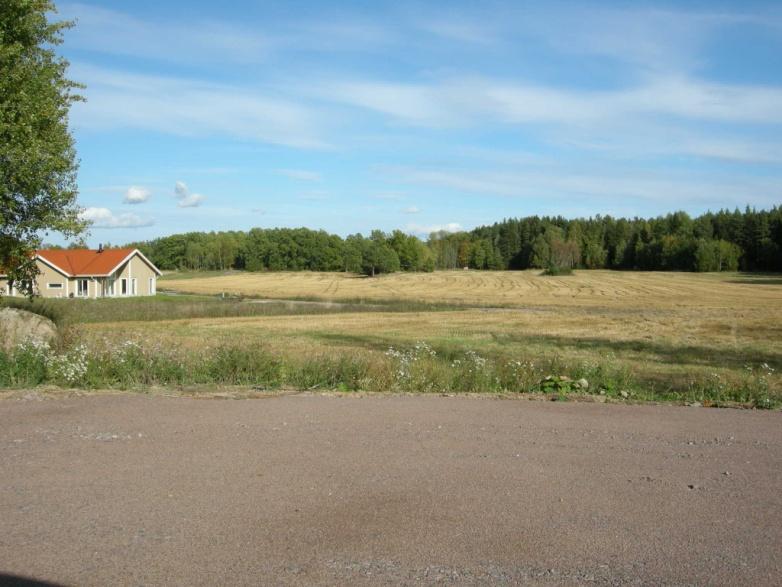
(37, 155)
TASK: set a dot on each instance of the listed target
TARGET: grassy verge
(417, 368)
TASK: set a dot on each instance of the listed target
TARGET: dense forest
(724, 241)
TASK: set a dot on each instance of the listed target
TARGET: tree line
(723, 241)
(290, 249)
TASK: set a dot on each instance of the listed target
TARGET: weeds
(419, 368)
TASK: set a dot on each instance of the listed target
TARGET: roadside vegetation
(623, 337)
(419, 368)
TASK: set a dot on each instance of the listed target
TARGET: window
(133, 287)
(123, 286)
(54, 285)
(151, 290)
(83, 287)
(109, 288)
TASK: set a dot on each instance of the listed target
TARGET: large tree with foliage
(37, 156)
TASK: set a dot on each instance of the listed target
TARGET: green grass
(168, 275)
(67, 312)
(417, 368)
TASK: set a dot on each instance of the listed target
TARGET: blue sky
(349, 116)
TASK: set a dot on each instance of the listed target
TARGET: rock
(18, 326)
(624, 394)
(582, 384)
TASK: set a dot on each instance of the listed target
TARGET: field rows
(526, 288)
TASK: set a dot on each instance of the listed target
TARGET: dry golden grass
(506, 288)
(665, 328)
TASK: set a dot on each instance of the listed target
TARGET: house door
(83, 287)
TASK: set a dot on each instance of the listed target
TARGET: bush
(556, 271)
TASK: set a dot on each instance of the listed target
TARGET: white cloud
(602, 185)
(105, 218)
(300, 174)
(187, 107)
(411, 210)
(429, 229)
(460, 102)
(191, 201)
(206, 41)
(186, 199)
(181, 190)
(136, 195)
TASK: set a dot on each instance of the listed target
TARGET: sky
(349, 116)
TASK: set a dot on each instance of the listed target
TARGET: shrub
(556, 271)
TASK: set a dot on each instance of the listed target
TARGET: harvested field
(661, 336)
(667, 332)
(505, 288)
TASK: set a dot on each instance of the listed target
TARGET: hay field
(666, 330)
(647, 290)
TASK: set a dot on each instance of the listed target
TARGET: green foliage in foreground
(420, 368)
(37, 155)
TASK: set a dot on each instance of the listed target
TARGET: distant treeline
(722, 241)
(290, 249)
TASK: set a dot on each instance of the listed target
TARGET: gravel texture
(388, 490)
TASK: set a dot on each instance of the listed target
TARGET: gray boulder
(18, 326)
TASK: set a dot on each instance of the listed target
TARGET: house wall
(49, 276)
(136, 269)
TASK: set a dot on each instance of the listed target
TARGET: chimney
(100, 247)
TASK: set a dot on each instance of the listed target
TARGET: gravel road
(388, 490)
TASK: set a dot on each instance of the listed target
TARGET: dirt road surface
(413, 490)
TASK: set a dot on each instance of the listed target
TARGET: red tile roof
(85, 261)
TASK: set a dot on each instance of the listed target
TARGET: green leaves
(37, 156)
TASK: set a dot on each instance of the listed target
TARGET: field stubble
(708, 338)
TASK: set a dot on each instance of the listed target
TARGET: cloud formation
(426, 230)
(186, 199)
(119, 100)
(119, 33)
(105, 218)
(411, 210)
(136, 195)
